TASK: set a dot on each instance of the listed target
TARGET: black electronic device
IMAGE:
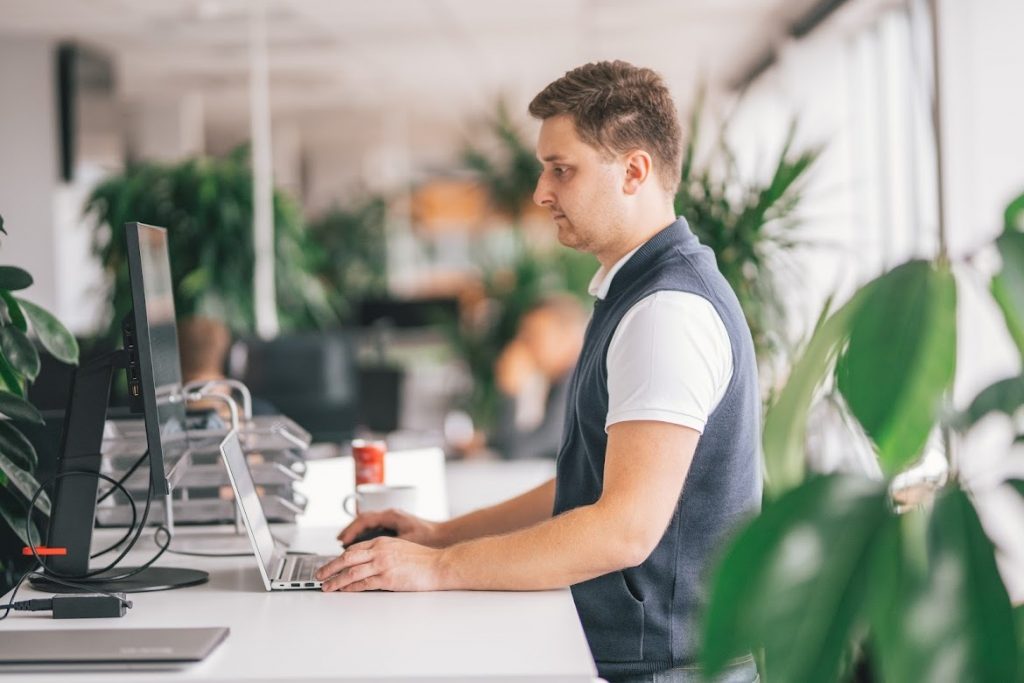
(372, 533)
(310, 377)
(153, 366)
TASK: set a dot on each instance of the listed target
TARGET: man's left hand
(384, 563)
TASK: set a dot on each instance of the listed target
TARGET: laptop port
(296, 585)
(310, 585)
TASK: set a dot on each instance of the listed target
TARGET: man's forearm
(516, 513)
(575, 546)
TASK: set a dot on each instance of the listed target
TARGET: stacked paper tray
(275, 448)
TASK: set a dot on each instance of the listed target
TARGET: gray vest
(648, 618)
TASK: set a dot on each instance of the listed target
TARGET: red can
(369, 459)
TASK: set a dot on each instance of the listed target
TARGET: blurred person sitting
(203, 344)
(533, 372)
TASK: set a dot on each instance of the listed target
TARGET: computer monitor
(154, 374)
(150, 358)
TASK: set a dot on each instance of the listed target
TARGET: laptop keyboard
(303, 567)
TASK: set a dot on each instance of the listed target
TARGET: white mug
(376, 497)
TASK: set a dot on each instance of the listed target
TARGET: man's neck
(651, 224)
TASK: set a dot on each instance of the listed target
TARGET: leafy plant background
(751, 225)
(206, 205)
(509, 174)
(831, 573)
(347, 251)
(19, 366)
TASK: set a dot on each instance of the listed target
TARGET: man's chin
(567, 239)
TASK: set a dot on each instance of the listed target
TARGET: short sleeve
(669, 360)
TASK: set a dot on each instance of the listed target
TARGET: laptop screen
(249, 500)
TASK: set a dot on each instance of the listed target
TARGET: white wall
(29, 162)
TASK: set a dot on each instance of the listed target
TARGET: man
(665, 392)
(533, 374)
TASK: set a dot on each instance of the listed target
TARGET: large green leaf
(13, 512)
(1013, 217)
(785, 424)
(14, 310)
(9, 377)
(17, 408)
(896, 572)
(23, 482)
(1018, 614)
(1017, 485)
(1008, 284)
(1005, 396)
(795, 579)
(901, 359)
(54, 337)
(14, 444)
(955, 624)
(19, 351)
(12, 278)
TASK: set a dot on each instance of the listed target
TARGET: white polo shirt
(669, 360)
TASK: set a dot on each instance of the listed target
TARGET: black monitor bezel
(142, 359)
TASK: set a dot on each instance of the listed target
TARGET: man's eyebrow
(553, 157)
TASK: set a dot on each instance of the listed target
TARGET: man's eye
(559, 171)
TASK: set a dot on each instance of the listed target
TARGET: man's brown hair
(617, 107)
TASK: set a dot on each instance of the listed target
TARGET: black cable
(87, 575)
(14, 594)
(120, 482)
(194, 553)
(87, 589)
(131, 525)
(12, 603)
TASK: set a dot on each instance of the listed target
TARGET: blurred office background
(395, 136)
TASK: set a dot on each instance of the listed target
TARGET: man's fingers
(371, 584)
(363, 552)
(353, 575)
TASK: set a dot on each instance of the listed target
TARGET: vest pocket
(612, 618)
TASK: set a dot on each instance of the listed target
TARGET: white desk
(313, 636)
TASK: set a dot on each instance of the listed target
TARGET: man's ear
(639, 165)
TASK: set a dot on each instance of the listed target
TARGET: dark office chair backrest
(310, 377)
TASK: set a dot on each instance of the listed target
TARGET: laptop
(279, 570)
(120, 649)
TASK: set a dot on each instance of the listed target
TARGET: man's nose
(542, 196)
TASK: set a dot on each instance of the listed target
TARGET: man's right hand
(408, 527)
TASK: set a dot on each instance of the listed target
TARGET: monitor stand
(73, 513)
(149, 579)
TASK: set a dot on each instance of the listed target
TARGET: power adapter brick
(79, 605)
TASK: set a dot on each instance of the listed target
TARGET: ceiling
(430, 57)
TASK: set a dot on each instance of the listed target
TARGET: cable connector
(37, 605)
(78, 605)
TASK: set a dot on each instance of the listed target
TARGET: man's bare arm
(516, 513)
(645, 466)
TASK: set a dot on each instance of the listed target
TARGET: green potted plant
(508, 170)
(841, 563)
(19, 366)
(348, 253)
(748, 224)
(206, 205)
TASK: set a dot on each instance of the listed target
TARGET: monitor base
(150, 579)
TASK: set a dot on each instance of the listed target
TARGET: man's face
(580, 186)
